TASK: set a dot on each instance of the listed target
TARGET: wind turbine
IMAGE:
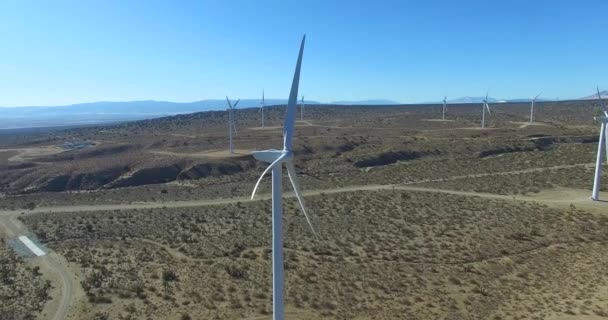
(302, 109)
(262, 108)
(601, 148)
(445, 107)
(231, 126)
(483, 111)
(532, 100)
(277, 158)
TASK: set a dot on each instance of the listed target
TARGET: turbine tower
(277, 158)
(532, 100)
(231, 126)
(601, 149)
(483, 111)
(262, 108)
(445, 107)
(302, 109)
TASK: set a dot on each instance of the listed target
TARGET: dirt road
(579, 199)
(503, 173)
(28, 153)
(51, 265)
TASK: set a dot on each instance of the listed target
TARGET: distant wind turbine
(277, 158)
(532, 100)
(483, 111)
(231, 126)
(445, 107)
(262, 108)
(601, 149)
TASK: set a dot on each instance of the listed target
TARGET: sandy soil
(266, 128)
(526, 124)
(25, 154)
(438, 120)
(216, 154)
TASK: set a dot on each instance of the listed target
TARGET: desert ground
(418, 218)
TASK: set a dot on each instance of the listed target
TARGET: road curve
(48, 264)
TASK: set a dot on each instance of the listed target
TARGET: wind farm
(362, 182)
(373, 189)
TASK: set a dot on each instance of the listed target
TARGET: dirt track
(546, 198)
(51, 265)
(25, 154)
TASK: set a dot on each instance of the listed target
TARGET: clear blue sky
(61, 52)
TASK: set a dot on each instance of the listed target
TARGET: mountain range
(107, 111)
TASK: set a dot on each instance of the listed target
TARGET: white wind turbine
(483, 111)
(262, 108)
(532, 100)
(445, 107)
(601, 149)
(231, 126)
(277, 158)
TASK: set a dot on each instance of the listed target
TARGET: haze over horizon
(70, 52)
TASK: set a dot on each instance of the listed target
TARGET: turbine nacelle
(270, 156)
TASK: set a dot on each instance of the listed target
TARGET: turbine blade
(290, 113)
(264, 173)
(229, 104)
(488, 107)
(538, 95)
(237, 102)
(599, 96)
(291, 172)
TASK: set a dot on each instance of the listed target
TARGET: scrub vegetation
(419, 219)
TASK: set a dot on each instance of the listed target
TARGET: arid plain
(418, 218)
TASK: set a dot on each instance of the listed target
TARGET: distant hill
(604, 95)
(136, 107)
(528, 100)
(471, 100)
(107, 111)
(365, 102)
(490, 99)
(110, 111)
